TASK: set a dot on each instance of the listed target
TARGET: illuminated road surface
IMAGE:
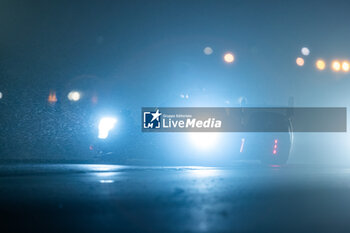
(98, 198)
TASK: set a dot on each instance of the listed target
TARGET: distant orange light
(345, 66)
(52, 97)
(336, 66)
(320, 64)
(229, 57)
(300, 61)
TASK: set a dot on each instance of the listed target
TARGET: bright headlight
(204, 141)
(105, 125)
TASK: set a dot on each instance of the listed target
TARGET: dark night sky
(138, 43)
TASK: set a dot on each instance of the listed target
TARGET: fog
(122, 56)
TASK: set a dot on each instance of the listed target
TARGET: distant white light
(74, 96)
(106, 181)
(183, 96)
(242, 145)
(0, 95)
(105, 125)
(204, 141)
(207, 50)
(106, 174)
(229, 57)
(305, 51)
(100, 167)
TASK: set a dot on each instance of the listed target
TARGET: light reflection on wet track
(174, 199)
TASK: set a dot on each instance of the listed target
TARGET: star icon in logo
(156, 115)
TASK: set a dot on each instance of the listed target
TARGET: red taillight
(275, 147)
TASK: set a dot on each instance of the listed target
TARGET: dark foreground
(105, 198)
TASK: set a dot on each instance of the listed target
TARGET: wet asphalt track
(107, 198)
